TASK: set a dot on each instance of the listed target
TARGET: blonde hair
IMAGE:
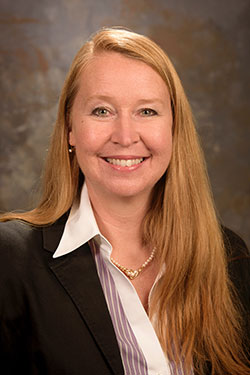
(191, 306)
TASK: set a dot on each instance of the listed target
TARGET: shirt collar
(80, 227)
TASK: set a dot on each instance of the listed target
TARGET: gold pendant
(132, 274)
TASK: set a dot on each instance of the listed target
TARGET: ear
(72, 141)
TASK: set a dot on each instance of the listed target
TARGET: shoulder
(16, 233)
(237, 253)
(238, 260)
(234, 244)
(19, 243)
(19, 247)
(14, 228)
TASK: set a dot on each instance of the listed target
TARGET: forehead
(113, 71)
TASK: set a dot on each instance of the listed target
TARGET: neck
(120, 221)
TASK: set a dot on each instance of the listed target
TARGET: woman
(123, 267)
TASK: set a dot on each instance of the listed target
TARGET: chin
(128, 191)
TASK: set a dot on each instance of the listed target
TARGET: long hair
(191, 307)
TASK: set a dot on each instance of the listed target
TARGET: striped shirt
(132, 357)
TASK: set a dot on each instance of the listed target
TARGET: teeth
(124, 163)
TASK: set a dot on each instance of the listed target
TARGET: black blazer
(53, 314)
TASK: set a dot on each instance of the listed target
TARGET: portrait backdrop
(209, 44)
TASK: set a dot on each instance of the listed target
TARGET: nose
(125, 132)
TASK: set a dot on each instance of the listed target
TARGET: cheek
(162, 142)
(88, 138)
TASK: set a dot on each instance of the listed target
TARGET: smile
(123, 162)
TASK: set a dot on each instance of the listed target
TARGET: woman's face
(121, 126)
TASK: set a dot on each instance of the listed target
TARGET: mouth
(124, 162)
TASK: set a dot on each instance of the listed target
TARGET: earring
(71, 149)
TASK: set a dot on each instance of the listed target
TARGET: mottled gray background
(209, 43)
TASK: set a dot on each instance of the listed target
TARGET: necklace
(129, 272)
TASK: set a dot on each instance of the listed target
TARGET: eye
(100, 112)
(147, 112)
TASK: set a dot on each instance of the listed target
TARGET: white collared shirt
(80, 228)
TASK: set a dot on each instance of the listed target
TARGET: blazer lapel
(77, 273)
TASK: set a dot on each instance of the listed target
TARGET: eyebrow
(151, 100)
(140, 101)
(98, 97)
